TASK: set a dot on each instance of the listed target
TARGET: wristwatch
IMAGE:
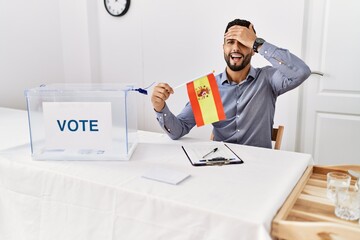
(258, 42)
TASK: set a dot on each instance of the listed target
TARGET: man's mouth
(236, 57)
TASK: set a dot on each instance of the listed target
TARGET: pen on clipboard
(212, 151)
(217, 159)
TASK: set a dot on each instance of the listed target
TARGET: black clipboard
(214, 161)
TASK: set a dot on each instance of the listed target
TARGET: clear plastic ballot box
(82, 121)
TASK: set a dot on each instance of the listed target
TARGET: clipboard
(211, 155)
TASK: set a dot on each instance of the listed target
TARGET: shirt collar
(224, 78)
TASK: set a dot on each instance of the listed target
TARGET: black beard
(246, 61)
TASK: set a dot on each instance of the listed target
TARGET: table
(14, 129)
(111, 200)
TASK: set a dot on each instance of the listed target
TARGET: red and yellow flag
(205, 100)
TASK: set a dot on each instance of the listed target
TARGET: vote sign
(78, 125)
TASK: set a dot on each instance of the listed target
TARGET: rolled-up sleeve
(289, 71)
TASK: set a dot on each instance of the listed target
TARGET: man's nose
(239, 46)
(236, 46)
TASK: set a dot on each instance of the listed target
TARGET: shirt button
(237, 116)
(238, 130)
(169, 129)
(164, 114)
(265, 52)
(280, 63)
(237, 102)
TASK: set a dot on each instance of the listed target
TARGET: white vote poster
(77, 125)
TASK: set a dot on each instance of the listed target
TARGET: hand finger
(233, 31)
(166, 87)
(158, 99)
(163, 95)
(162, 91)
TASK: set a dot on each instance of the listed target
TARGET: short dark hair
(240, 22)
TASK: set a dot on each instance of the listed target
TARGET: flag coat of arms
(205, 100)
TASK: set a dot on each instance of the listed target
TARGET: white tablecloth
(14, 128)
(73, 200)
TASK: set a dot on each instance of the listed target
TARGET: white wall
(77, 23)
(156, 41)
(30, 48)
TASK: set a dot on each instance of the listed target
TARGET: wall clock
(117, 8)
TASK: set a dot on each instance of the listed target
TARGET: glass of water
(348, 205)
(337, 182)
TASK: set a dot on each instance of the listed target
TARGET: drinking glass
(347, 205)
(337, 182)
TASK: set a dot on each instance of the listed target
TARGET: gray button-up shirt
(249, 106)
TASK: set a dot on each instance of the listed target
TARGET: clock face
(117, 8)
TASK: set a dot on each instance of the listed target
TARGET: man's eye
(230, 41)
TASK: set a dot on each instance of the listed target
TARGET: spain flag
(205, 100)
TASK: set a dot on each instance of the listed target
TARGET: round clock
(117, 8)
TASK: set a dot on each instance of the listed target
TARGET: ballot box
(82, 121)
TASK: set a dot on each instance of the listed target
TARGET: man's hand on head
(246, 36)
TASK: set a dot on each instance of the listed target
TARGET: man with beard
(248, 94)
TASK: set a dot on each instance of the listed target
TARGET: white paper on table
(165, 175)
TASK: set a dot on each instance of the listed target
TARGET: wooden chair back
(276, 136)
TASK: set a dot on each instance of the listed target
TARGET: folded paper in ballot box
(82, 121)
